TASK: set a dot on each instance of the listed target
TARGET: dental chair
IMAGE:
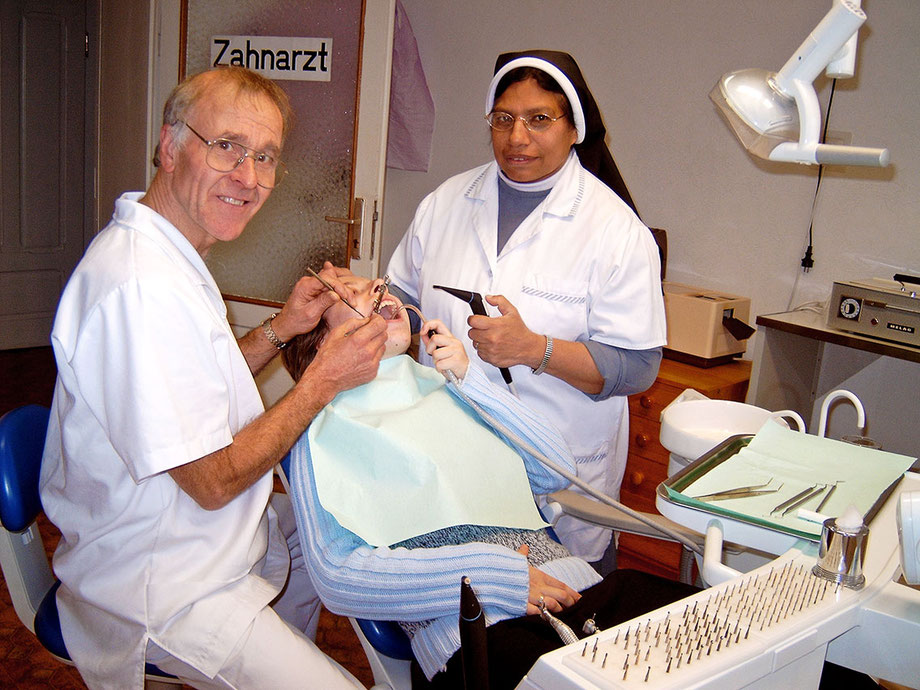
(26, 569)
(387, 646)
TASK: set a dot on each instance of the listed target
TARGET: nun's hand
(505, 340)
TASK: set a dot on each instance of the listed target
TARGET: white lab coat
(150, 377)
(581, 266)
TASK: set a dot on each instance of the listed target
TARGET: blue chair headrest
(22, 439)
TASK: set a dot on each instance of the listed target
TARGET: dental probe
(328, 286)
(561, 471)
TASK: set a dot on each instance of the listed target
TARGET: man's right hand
(349, 356)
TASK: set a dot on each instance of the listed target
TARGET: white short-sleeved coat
(150, 377)
(581, 266)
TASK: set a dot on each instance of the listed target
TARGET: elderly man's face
(211, 206)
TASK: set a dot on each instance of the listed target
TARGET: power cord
(808, 260)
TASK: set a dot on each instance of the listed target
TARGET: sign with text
(276, 57)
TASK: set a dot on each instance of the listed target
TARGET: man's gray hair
(190, 90)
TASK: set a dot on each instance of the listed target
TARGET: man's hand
(505, 340)
(349, 356)
(555, 594)
(308, 300)
(446, 351)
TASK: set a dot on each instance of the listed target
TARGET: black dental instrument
(476, 304)
(327, 285)
(473, 646)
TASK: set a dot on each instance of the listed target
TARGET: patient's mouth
(389, 311)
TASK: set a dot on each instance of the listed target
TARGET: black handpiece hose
(473, 646)
(479, 308)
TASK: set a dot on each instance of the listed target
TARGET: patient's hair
(301, 350)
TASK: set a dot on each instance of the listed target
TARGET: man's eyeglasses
(225, 155)
(539, 122)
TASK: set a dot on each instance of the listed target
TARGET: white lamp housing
(777, 115)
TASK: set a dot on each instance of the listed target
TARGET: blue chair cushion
(387, 638)
(22, 438)
(48, 624)
(48, 631)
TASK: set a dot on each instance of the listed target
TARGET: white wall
(735, 223)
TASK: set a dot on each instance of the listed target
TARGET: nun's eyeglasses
(539, 122)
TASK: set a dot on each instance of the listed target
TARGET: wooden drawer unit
(647, 463)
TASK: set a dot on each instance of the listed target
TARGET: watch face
(849, 308)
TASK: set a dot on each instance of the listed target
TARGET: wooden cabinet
(647, 463)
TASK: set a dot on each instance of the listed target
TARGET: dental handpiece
(381, 291)
(476, 304)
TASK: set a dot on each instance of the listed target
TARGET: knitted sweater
(422, 585)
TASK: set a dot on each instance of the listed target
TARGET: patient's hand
(556, 594)
(448, 352)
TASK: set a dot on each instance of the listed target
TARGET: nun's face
(526, 156)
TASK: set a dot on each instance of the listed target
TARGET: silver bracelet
(546, 355)
(270, 333)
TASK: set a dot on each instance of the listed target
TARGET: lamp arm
(808, 148)
(822, 45)
(830, 154)
(843, 64)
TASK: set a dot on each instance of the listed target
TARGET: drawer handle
(642, 440)
(645, 401)
(636, 478)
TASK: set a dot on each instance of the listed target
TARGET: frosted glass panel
(290, 231)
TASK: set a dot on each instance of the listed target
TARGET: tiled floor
(27, 376)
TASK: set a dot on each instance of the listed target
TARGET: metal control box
(876, 307)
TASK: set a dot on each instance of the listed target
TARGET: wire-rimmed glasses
(538, 122)
(225, 155)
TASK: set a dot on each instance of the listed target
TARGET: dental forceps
(328, 286)
(740, 492)
(381, 291)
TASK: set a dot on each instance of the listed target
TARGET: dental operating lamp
(777, 116)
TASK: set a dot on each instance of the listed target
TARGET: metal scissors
(327, 285)
(740, 492)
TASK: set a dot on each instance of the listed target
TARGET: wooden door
(45, 203)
